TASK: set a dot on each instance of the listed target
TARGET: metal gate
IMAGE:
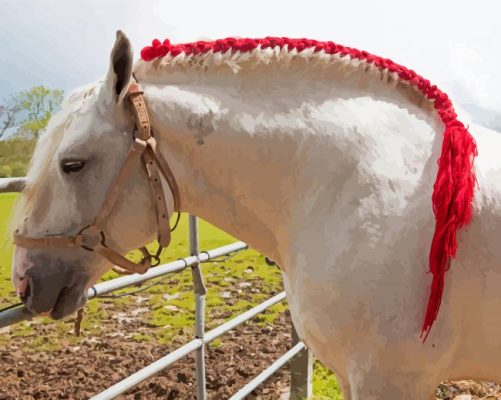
(298, 355)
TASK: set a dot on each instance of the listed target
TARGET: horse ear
(120, 70)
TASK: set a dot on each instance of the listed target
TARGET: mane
(454, 186)
(234, 52)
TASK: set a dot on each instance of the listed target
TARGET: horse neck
(228, 177)
(263, 171)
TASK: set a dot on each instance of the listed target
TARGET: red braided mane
(454, 186)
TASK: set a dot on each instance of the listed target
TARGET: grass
(6, 292)
(325, 386)
(175, 292)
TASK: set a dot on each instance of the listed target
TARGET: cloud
(471, 77)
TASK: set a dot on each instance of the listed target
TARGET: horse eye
(69, 166)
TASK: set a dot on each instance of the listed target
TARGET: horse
(323, 158)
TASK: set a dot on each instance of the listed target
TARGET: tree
(9, 110)
(37, 106)
(15, 155)
(30, 111)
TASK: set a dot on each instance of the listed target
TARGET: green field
(236, 269)
(6, 202)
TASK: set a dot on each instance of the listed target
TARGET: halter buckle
(92, 237)
(155, 260)
(151, 260)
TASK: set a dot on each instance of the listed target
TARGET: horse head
(67, 225)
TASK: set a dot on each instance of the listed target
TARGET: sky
(66, 43)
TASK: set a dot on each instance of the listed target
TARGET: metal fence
(299, 357)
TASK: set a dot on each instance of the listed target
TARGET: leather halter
(92, 237)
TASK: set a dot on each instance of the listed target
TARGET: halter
(92, 237)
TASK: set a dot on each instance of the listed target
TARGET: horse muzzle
(47, 285)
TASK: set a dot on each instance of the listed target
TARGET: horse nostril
(24, 288)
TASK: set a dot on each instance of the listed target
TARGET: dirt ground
(78, 372)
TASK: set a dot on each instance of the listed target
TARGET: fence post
(200, 292)
(301, 371)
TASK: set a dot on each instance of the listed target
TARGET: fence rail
(300, 367)
(21, 313)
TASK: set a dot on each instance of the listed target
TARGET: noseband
(92, 237)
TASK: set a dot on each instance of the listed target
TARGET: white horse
(320, 161)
